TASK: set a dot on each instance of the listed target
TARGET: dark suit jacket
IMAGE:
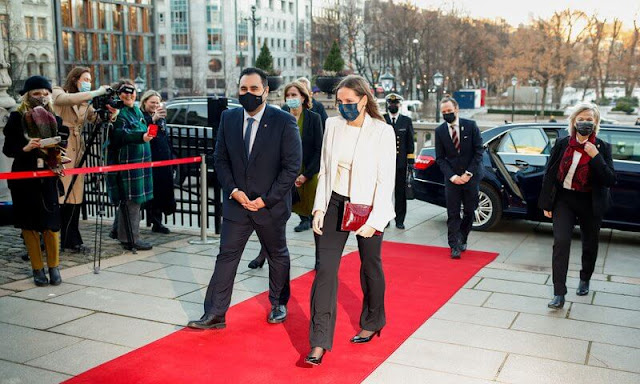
(404, 140)
(470, 157)
(603, 177)
(269, 172)
(311, 143)
(316, 107)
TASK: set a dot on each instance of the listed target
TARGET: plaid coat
(126, 146)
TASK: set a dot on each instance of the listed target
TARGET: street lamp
(535, 114)
(437, 81)
(514, 82)
(415, 69)
(254, 21)
(140, 84)
(387, 80)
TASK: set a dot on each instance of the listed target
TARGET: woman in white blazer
(357, 165)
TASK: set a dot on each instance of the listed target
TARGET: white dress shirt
(256, 125)
(568, 180)
(393, 116)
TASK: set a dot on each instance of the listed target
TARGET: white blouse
(346, 148)
(568, 180)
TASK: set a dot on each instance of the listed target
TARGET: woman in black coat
(576, 188)
(163, 197)
(36, 209)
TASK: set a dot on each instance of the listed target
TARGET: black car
(190, 134)
(515, 158)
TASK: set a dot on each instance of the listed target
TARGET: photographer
(71, 103)
(35, 200)
(129, 144)
(163, 198)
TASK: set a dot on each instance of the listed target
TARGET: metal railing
(192, 208)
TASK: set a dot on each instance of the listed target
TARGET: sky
(516, 12)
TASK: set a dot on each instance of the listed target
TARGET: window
(214, 39)
(161, 17)
(42, 28)
(278, 61)
(299, 61)
(270, 4)
(182, 61)
(284, 43)
(163, 61)
(28, 28)
(197, 115)
(278, 43)
(183, 83)
(624, 145)
(525, 141)
(163, 40)
(283, 5)
(176, 114)
(291, 7)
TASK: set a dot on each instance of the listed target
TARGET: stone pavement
(495, 329)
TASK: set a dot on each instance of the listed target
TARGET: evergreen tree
(264, 60)
(334, 61)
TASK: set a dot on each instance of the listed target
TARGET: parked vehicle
(515, 158)
(187, 122)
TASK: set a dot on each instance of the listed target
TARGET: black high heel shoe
(357, 339)
(313, 360)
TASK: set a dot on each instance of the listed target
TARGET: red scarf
(582, 177)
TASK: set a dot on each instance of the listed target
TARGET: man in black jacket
(459, 156)
(405, 157)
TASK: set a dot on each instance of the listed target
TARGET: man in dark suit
(404, 153)
(257, 158)
(459, 155)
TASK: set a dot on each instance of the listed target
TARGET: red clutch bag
(355, 216)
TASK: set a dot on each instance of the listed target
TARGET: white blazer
(373, 170)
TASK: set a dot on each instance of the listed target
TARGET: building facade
(283, 25)
(115, 38)
(28, 37)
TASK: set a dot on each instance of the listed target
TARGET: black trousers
(70, 236)
(324, 292)
(233, 239)
(467, 194)
(263, 252)
(569, 207)
(401, 194)
(154, 217)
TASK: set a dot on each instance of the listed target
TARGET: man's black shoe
(208, 322)
(583, 288)
(462, 247)
(455, 253)
(160, 229)
(80, 248)
(557, 302)
(400, 225)
(278, 314)
(305, 225)
(253, 264)
(140, 246)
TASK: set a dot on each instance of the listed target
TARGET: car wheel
(489, 209)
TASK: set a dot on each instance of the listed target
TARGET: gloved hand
(100, 91)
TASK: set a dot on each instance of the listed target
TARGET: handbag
(409, 189)
(355, 216)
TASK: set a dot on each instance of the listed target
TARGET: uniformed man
(404, 153)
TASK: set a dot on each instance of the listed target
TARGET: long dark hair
(71, 84)
(361, 87)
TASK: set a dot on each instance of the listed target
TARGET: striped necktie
(455, 138)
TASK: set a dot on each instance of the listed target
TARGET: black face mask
(449, 117)
(392, 108)
(250, 102)
(585, 128)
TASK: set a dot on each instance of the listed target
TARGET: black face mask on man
(449, 117)
(393, 108)
(585, 128)
(250, 102)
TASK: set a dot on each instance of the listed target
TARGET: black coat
(405, 146)
(453, 163)
(35, 200)
(311, 143)
(601, 168)
(163, 197)
(270, 170)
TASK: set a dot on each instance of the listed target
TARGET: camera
(110, 98)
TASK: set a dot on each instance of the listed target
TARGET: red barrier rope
(106, 168)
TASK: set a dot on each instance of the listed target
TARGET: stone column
(199, 55)
(6, 104)
(229, 38)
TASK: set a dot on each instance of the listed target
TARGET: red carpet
(419, 279)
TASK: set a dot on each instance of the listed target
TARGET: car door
(524, 152)
(625, 194)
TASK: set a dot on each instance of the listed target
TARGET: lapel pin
(462, 128)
